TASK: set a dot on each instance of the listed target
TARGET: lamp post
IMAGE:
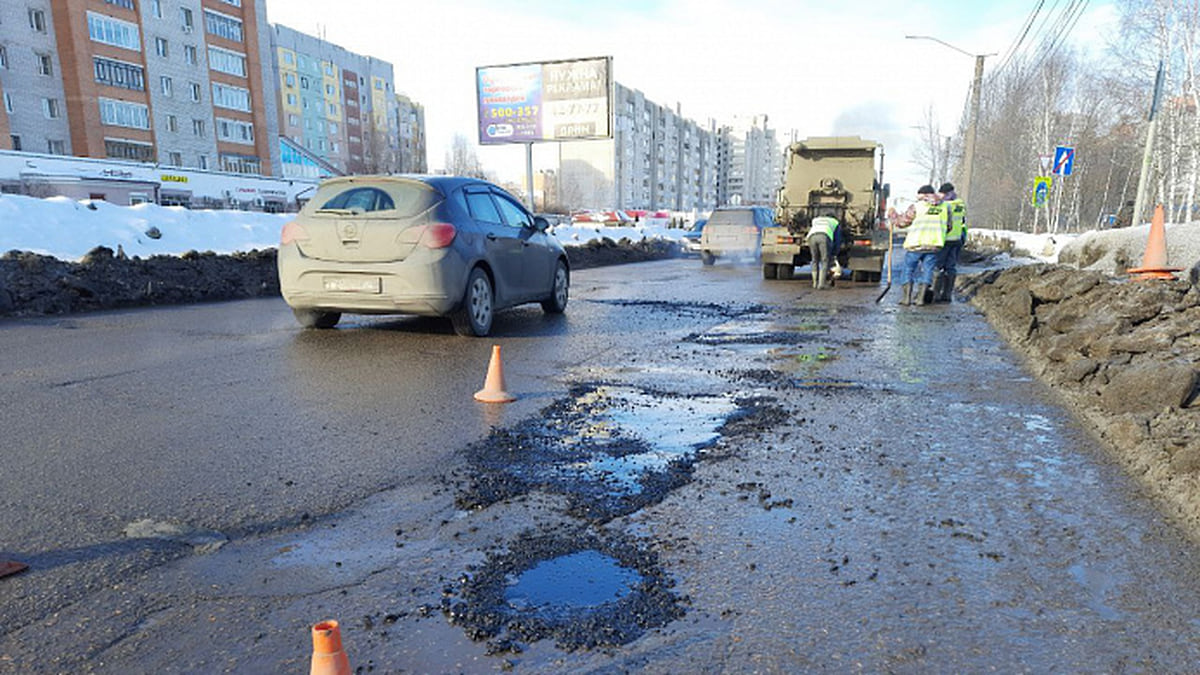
(973, 123)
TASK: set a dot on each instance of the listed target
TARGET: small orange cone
(1154, 262)
(493, 387)
(10, 567)
(328, 657)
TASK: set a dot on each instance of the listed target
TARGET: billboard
(546, 101)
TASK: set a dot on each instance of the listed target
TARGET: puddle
(581, 589)
(610, 449)
(571, 582)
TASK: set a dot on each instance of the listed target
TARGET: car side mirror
(540, 224)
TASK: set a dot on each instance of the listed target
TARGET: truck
(841, 176)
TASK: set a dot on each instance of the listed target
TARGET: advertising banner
(548, 101)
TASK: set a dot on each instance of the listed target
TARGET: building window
(303, 82)
(189, 54)
(195, 87)
(240, 163)
(167, 86)
(333, 109)
(235, 131)
(235, 3)
(37, 20)
(121, 149)
(8, 104)
(293, 120)
(3, 56)
(118, 74)
(290, 79)
(289, 58)
(329, 89)
(124, 114)
(329, 69)
(198, 128)
(16, 141)
(226, 61)
(185, 18)
(50, 108)
(202, 161)
(172, 123)
(333, 127)
(127, 4)
(291, 99)
(110, 31)
(175, 158)
(160, 47)
(157, 7)
(45, 64)
(223, 25)
(234, 98)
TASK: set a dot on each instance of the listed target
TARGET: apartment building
(180, 83)
(656, 159)
(341, 107)
(751, 163)
(411, 127)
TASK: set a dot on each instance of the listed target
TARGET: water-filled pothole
(580, 588)
(569, 583)
(609, 449)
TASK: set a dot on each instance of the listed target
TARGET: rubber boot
(948, 288)
(906, 294)
(938, 281)
(921, 291)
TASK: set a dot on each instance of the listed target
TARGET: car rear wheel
(707, 258)
(311, 318)
(557, 302)
(474, 317)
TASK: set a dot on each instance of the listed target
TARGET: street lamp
(974, 121)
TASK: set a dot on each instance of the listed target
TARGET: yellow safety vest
(958, 219)
(824, 225)
(928, 229)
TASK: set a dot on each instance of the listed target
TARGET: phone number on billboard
(509, 113)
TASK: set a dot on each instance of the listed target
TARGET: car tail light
(862, 242)
(437, 235)
(292, 232)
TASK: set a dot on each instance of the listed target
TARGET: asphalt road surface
(758, 477)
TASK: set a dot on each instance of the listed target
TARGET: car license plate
(354, 284)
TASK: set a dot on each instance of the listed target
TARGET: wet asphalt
(705, 470)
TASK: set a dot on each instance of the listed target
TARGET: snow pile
(67, 229)
(1113, 251)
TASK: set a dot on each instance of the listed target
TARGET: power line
(1012, 50)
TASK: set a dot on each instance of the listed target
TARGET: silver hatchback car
(426, 245)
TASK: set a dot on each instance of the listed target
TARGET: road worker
(928, 222)
(946, 268)
(823, 240)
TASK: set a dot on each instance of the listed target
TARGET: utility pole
(973, 123)
(1147, 155)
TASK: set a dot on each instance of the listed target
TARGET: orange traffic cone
(328, 657)
(493, 387)
(9, 567)
(1154, 262)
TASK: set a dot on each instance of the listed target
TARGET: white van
(735, 232)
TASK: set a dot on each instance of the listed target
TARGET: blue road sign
(1064, 157)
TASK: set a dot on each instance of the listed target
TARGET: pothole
(581, 589)
(610, 449)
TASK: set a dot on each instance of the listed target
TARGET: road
(799, 480)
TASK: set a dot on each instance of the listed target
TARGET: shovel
(888, 260)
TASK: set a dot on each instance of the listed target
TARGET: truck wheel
(786, 272)
(707, 258)
(770, 270)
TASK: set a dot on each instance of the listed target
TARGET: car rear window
(406, 199)
(745, 217)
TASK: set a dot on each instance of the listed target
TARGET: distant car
(691, 238)
(734, 231)
(427, 245)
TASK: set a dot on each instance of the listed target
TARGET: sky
(813, 68)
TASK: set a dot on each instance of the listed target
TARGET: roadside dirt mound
(32, 284)
(1124, 355)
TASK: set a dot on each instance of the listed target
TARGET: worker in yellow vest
(926, 234)
(946, 269)
(823, 241)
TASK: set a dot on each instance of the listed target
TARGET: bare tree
(933, 151)
(461, 159)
